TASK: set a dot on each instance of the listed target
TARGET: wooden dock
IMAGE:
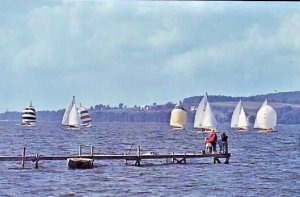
(176, 158)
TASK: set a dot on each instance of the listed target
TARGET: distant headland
(286, 104)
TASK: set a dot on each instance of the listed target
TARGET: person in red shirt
(212, 138)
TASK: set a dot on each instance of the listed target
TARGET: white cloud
(37, 55)
(258, 41)
(145, 47)
(289, 31)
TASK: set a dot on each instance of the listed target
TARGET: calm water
(261, 164)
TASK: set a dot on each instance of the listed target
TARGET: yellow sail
(178, 118)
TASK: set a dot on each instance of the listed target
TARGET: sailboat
(239, 119)
(29, 116)
(266, 118)
(71, 117)
(85, 117)
(178, 117)
(204, 118)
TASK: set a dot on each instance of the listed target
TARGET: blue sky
(140, 52)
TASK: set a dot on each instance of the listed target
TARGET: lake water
(262, 164)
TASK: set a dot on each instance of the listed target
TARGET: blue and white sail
(29, 115)
(84, 116)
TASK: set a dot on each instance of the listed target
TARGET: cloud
(140, 51)
(257, 41)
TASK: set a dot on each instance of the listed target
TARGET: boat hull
(266, 130)
(28, 124)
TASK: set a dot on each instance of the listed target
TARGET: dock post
(138, 161)
(23, 155)
(227, 159)
(80, 151)
(37, 161)
(173, 158)
(125, 160)
(92, 151)
(216, 160)
(184, 158)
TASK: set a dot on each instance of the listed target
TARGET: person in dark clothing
(224, 140)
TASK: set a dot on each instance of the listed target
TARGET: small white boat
(239, 119)
(205, 120)
(71, 117)
(178, 117)
(29, 116)
(266, 118)
(80, 163)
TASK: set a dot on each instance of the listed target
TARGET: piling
(138, 159)
(37, 161)
(23, 161)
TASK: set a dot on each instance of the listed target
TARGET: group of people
(211, 142)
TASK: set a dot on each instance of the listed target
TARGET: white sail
(235, 115)
(178, 116)
(243, 123)
(239, 119)
(266, 118)
(264, 104)
(199, 116)
(209, 120)
(74, 119)
(65, 119)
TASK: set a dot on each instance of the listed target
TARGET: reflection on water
(262, 164)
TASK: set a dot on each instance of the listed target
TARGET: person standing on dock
(207, 146)
(212, 138)
(224, 140)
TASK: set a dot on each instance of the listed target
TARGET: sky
(141, 52)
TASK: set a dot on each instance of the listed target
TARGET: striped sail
(84, 115)
(29, 114)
